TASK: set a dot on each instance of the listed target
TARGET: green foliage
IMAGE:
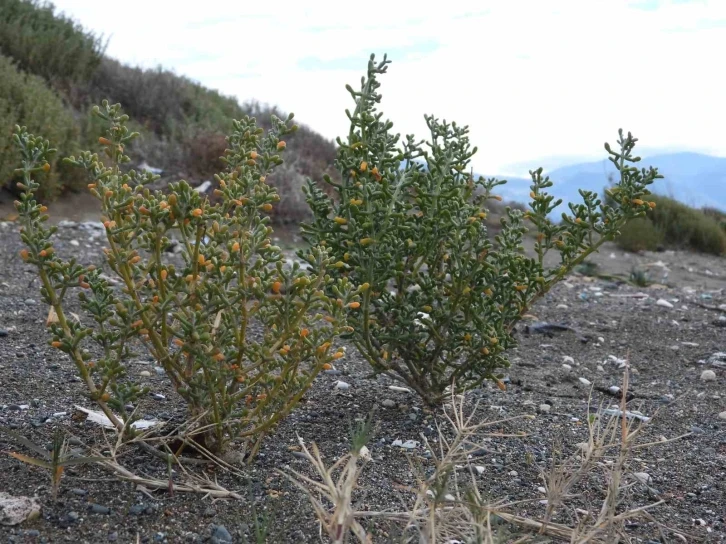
(47, 44)
(639, 277)
(200, 321)
(640, 235)
(408, 224)
(677, 225)
(26, 100)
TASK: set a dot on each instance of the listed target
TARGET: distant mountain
(692, 178)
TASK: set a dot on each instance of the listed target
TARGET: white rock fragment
(479, 469)
(585, 381)
(722, 415)
(541, 489)
(75, 243)
(15, 510)
(562, 306)
(664, 303)
(614, 389)
(708, 376)
(389, 403)
(343, 386)
(145, 373)
(399, 389)
(568, 359)
(100, 418)
(566, 367)
(513, 473)
(408, 444)
(545, 408)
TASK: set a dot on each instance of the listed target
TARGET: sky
(537, 81)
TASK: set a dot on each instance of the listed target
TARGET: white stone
(399, 389)
(145, 373)
(342, 385)
(567, 367)
(513, 473)
(479, 469)
(388, 403)
(562, 306)
(568, 359)
(585, 381)
(75, 243)
(15, 510)
(541, 489)
(708, 376)
(544, 408)
(664, 303)
(408, 444)
(614, 389)
(722, 415)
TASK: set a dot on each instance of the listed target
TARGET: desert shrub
(718, 215)
(47, 44)
(441, 298)
(240, 336)
(640, 235)
(26, 99)
(676, 225)
(203, 151)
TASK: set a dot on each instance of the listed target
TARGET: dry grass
(449, 507)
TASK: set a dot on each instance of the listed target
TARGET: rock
(79, 492)
(562, 306)
(717, 359)
(220, 535)
(3, 333)
(75, 243)
(113, 537)
(158, 396)
(545, 408)
(408, 444)
(568, 360)
(399, 389)
(584, 381)
(72, 516)
(642, 477)
(99, 509)
(708, 376)
(388, 403)
(145, 374)
(15, 510)
(137, 510)
(342, 385)
(664, 303)
(566, 367)
(479, 469)
(614, 389)
(722, 415)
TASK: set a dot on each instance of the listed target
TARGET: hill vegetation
(52, 72)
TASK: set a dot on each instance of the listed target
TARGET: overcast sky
(536, 80)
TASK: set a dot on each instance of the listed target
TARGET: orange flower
(201, 259)
(281, 145)
(500, 385)
(651, 205)
(338, 355)
(363, 166)
(105, 397)
(178, 341)
(56, 344)
(219, 357)
(135, 259)
(235, 247)
(104, 141)
(253, 155)
(340, 220)
(43, 253)
(276, 286)
(304, 333)
(24, 254)
(637, 202)
(46, 168)
(137, 324)
(163, 274)
(197, 213)
(354, 305)
(267, 207)
(327, 366)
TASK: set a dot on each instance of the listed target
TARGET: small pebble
(399, 389)
(664, 303)
(113, 537)
(75, 243)
(708, 376)
(221, 535)
(544, 408)
(585, 381)
(642, 477)
(99, 509)
(342, 385)
(566, 367)
(722, 415)
(388, 403)
(568, 359)
(145, 373)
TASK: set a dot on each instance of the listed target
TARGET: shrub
(25, 99)
(407, 223)
(676, 225)
(640, 235)
(46, 44)
(201, 321)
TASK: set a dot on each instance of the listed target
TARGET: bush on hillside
(47, 44)
(674, 224)
(26, 100)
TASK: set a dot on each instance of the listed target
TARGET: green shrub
(26, 99)
(640, 235)
(47, 44)
(677, 225)
(408, 224)
(241, 337)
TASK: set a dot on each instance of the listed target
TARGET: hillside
(52, 71)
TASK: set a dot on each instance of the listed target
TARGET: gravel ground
(670, 343)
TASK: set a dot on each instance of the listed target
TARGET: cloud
(531, 78)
